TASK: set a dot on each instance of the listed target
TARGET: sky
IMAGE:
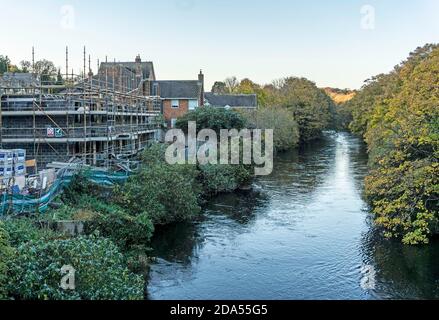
(336, 43)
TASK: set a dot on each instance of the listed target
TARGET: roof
(232, 100)
(179, 89)
(147, 67)
(19, 79)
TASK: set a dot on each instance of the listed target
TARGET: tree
(212, 118)
(398, 115)
(46, 70)
(310, 105)
(231, 84)
(26, 66)
(219, 87)
(281, 120)
(59, 78)
(4, 64)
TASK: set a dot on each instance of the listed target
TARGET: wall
(173, 113)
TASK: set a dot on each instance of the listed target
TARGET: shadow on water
(402, 272)
(303, 233)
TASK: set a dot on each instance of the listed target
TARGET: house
(179, 97)
(234, 101)
(128, 75)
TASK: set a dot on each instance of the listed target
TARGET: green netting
(19, 204)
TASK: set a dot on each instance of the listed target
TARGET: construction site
(101, 121)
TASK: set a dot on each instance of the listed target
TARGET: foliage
(219, 87)
(23, 230)
(115, 223)
(100, 271)
(6, 252)
(398, 114)
(223, 178)
(4, 63)
(312, 109)
(164, 193)
(212, 118)
(310, 105)
(281, 120)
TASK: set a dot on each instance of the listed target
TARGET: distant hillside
(340, 95)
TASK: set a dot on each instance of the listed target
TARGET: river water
(303, 233)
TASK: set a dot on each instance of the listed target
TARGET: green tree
(281, 120)
(219, 87)
(310, 105)
(212, 118)
(4, 64)
(397, 113)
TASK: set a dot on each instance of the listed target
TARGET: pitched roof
(232, 100)
(179, 89)
(147, 67)
(19, 79)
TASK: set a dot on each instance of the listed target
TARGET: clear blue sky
(322, 40)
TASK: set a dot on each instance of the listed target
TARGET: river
(304, 232)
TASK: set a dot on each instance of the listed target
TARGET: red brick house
(179, 97)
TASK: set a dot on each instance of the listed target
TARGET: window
(173, 122)
(193, 104)
(175, 103)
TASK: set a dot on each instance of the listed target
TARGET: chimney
(138, 61)
(201, 79)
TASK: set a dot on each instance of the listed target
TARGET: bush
(100, 271)
(223, 178)
(165, 193)
(23, 230)
(5, 256)
(122, 228)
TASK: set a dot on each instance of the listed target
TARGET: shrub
(223, 178)
(122, 228)
(165, 193)
(23, 230)
(5, 256)
(100, 271)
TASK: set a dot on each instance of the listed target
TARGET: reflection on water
(303, 233)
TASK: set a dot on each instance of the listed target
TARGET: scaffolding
(101, 119)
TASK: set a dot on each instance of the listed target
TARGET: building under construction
(100, 119)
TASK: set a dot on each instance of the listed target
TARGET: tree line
(45, 69)
(295, 107)
(398, 116)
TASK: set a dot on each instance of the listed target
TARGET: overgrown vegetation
(398, 114)
(281, 120)
(6, 252)
(100, 271)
